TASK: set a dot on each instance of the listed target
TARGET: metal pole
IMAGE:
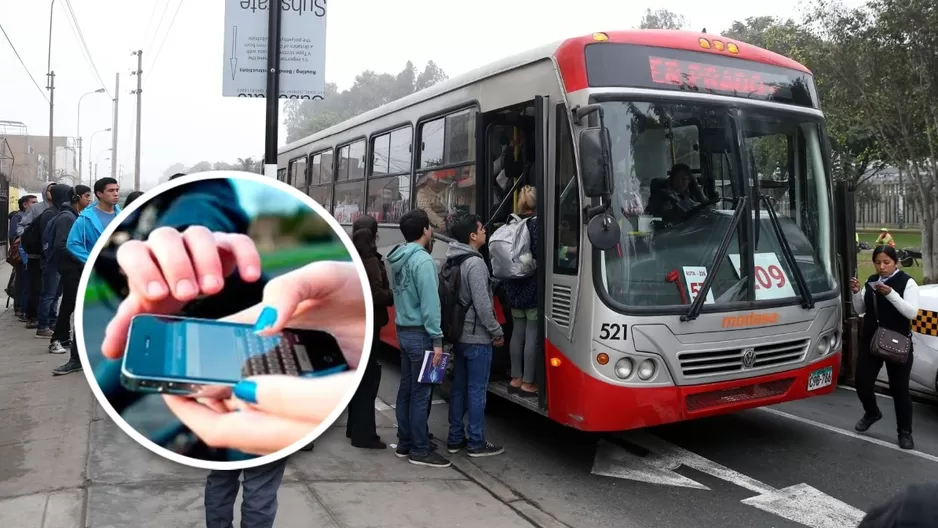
(117, 92)
(50, 85)
(273, 87)
(139, 74)
(80, 149)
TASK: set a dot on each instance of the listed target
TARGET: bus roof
(572, 63)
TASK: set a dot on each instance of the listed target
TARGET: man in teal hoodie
(417, 315)
(94, 219)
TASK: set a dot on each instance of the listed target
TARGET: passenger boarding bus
(648, 317)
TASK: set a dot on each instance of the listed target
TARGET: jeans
(523, 346)
(20, 287)
(48, 298)
(413, 398)
(34, 279)
(467, 396)
(259, 504)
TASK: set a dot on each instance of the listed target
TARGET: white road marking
(851, 434)
(800, 503)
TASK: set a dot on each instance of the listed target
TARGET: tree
(883, 67)
(662, 19)
(369, 91)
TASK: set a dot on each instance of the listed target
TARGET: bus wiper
(807, 300)
(698, 303)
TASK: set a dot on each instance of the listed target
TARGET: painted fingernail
(155, 289)
(184, 288)
(210, 282)
(266, 319)
(246, 390)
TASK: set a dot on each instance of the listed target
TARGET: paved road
(826, 473)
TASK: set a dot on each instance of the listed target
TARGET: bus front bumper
(589, 404)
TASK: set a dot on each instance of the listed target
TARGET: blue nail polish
(266, 319)
(246, 390)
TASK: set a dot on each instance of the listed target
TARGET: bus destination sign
(699, 76)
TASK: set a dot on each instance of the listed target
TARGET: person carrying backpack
(469, 323)
(31, 245)
(59, 259)
(513, 248)
(49, 295)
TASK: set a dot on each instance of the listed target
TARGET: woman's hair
(527, 200)
(78, 192)
(364, 242)
(888, 250)
(131, 197)
(366, 222)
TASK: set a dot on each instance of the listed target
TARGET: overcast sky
(185, 117)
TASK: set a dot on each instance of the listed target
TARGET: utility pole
(273, 89)
(117, 94)
(137, 92)
(51, 163)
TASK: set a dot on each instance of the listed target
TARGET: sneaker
(864, 424)
(56, 348)
(374, 443)
(905, 441)
(454, 448)
(45, 333)
(431, 459)
(32, 324)
(487, 450)
(402, 451)
(68, 368)
(21, 318)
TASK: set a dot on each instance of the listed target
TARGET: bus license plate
(820, 378)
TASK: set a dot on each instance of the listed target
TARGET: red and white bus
(649, 316)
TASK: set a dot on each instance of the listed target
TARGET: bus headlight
(835, 340)
(646, 369)
(624, 367)
(823, 345)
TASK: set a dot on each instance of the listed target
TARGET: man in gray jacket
(472, 360)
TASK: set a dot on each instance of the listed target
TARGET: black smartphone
(206, 358)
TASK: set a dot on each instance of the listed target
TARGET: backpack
(452, 310)
(13, 256)
(32, 238)
(510, 250)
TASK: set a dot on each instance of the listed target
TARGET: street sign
(302, 48)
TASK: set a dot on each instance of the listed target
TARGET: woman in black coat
(895, 295)
(361, 428)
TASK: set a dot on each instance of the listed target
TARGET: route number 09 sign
(771, 280)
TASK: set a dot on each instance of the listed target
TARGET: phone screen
(176, 348)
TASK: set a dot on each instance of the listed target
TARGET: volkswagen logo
(749, 358)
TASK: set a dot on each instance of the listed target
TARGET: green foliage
(662, 19)
(369, 91)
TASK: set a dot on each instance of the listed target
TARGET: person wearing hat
(884, 238)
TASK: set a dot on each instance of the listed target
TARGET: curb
(498, 489)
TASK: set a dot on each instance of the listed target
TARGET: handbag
(889, 344)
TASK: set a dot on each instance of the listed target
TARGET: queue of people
(49, 244)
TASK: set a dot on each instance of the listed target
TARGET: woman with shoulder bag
(889, 302)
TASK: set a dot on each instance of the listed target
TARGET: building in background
(25, 159)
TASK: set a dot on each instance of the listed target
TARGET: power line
(150, 18)
(156, 31)
(87, 50)
(160, 48)
(23, 63)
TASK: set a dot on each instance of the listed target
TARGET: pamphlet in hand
(431, 374)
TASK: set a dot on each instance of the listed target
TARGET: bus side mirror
(596, 162)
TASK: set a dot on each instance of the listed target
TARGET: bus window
(320, 178)
(315, 168)
(298, 173)
(282, 174)
(326, 175)
(389, 198)
(356, 160)
(567, 233)
(349, 200)
(389, 184)
(445, 182)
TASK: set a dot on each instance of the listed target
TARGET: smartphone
(206, 358)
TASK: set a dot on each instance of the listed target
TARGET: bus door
(515, 155)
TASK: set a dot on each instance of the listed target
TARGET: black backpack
(32, 238)
(452, 311)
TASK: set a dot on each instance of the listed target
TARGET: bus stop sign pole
(273, 89)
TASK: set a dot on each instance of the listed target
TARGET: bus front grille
(697, 364)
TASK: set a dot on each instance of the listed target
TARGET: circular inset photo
(221, 318)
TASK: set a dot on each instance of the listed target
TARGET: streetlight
(50, 85)
(99, 90)
(92, 177)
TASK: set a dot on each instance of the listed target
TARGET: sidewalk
(63, 463)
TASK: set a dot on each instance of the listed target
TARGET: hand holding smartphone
(205, 358)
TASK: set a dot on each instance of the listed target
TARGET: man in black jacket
(69, 269)
(49, 294)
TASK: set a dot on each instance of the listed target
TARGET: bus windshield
(681, 170)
